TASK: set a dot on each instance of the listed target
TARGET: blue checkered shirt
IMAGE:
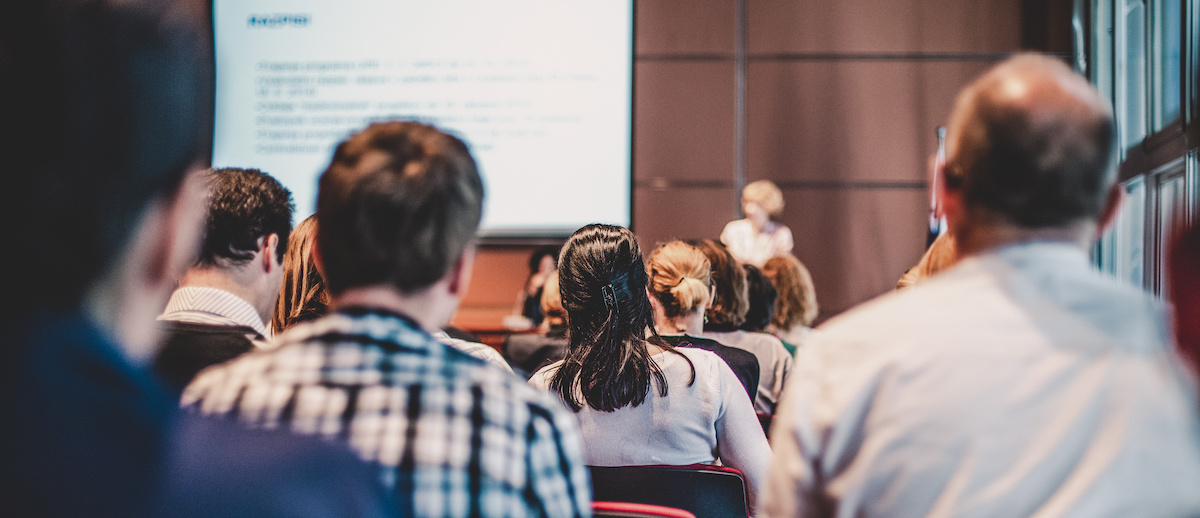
(453, 435)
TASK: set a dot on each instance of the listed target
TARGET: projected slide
(539, 89)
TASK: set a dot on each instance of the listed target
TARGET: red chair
(765, 421)
(632, 510)
(703, 490)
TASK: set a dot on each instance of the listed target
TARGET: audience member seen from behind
(725, 317)
(302, 296)
(759, 236)
(760, 299)
(796, 306)
(941, 255)
(224, 301)
(1185, 295)
(638, 399)
(542, 263)
(681, 289)
(452, 435)
(1021, 382)
(105, 199)
(529, 352)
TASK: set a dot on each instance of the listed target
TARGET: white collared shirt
(1019, 383)
(212, 306)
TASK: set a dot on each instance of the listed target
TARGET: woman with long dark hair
(639, 400)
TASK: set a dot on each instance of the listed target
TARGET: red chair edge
(632, 510)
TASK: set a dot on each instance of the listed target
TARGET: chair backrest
(705, 491)
(632, 510)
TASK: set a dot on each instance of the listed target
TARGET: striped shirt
(212, 306)
(482, 351)
(453, 436)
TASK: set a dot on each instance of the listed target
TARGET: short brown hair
(398, 205)
(1030, 144)
(729, 307)
(797, 302)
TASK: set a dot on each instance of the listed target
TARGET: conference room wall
(838, 102)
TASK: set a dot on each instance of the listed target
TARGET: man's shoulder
(327, 352)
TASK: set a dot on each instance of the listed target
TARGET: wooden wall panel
(683, 121)
(891, 26)
(856, 242)
(681, 213)
(684, 27)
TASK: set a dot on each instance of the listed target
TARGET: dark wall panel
(683, 120)
(856, 242)
(681, 213)
(684, 27)
(892, 26)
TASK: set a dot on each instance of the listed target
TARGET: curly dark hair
(244, 206)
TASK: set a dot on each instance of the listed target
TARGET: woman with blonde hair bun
(680, 281)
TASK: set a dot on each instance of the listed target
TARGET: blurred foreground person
(224, 302)
(639, 399)
(399, 206)
(107, 112)
(1021, 382)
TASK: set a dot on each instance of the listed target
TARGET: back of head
(797, 300)
(106, 106)
(728, 310)
(244, 205)
(761, 295)
(680, 277)
(303, 295)
(1030, 144)
(603, 284)
(399, 204)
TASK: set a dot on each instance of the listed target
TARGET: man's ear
(950, 200)
(460, 273)
(1112, 207)
(268, 246)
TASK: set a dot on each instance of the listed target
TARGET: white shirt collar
(204, 305)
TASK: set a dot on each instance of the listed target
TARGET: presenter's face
(755, 213)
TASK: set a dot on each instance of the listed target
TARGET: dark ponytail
(602, 281)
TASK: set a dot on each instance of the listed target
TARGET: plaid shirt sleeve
(558, 478)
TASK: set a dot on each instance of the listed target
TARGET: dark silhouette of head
(106, 106)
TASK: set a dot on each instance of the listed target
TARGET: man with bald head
(1021, 382)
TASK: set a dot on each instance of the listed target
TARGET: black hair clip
(610, 297)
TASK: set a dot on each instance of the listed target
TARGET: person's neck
(977, 238)
(246, 287)
(689, 324)
(430, 308)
